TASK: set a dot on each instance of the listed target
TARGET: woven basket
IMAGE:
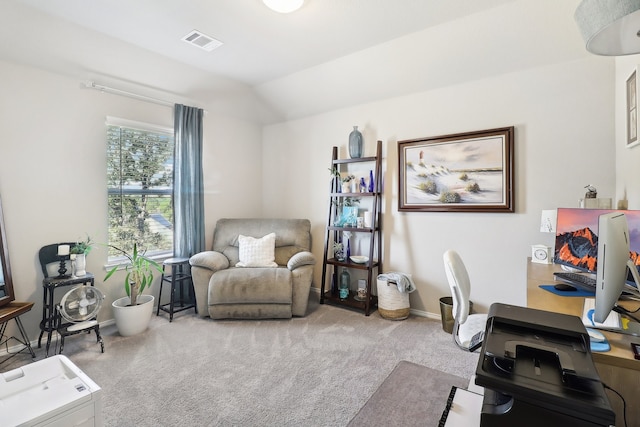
(392, 304)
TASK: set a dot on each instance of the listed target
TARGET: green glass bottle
(345, 282)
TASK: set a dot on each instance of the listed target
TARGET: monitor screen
(577, 238)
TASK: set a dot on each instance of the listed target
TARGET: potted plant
(349, 184)
(346, 212)
(346, 182)
(133, 312)
(78, 255)
(338, 251)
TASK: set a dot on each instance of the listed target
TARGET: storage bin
(392, 304)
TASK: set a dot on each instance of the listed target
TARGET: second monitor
(577, 232)
(613, 263)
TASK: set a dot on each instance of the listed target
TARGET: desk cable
(629, 313)
(624, 403)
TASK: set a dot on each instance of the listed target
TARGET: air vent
(202, 41)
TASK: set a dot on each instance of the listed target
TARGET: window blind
(140, 187)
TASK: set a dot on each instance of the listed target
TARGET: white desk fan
(80, 307)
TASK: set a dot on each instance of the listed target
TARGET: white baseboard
(6, 351)
(415, 312)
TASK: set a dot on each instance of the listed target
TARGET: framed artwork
(632, 110)
(466, 172)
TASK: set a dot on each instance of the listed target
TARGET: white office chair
(465, 325)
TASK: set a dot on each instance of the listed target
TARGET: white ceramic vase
(132, 320)
(80, 265)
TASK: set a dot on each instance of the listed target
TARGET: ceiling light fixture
(610, 28)
(283, 6)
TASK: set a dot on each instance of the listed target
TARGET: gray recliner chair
(224, 290)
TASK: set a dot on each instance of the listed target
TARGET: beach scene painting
(468, 172)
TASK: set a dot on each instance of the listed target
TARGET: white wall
(499, 40)
(627, 159)
(563, 141)
(564, 131)
(53, 171)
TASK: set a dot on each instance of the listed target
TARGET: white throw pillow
(257, 252)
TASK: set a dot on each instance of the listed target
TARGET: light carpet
(318, 370)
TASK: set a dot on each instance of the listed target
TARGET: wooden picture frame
(632, 110)
(465, 172)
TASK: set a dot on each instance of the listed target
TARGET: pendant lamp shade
(284, 6)
(610, 27)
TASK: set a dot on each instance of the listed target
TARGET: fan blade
(81, 303)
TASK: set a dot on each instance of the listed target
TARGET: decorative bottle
(355, 143)
(371, 183)
(334, 288)
(349, 249)
(345, 282)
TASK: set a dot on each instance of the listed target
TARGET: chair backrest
(459, 283)
(292, 236)
(49, 255)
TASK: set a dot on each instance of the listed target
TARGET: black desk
(14, 310)
(50, 284)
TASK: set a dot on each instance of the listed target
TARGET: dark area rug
(412, 395)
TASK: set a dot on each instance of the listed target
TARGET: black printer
(537, 370)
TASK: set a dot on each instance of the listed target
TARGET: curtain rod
(101, 88)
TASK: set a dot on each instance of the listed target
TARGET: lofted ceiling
(292, 64)
(259, 45)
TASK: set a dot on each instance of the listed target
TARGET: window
(140, 187)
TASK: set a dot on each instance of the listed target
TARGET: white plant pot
(79, 265)
(132, 320)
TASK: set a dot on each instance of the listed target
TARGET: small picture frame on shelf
(361, 295)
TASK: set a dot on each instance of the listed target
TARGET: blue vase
(371, 183)
(355, 143)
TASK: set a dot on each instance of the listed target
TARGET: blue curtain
(188, 187)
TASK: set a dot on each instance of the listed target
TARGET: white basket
(392, 304)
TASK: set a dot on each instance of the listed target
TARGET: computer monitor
(613, 263)
(576, 244)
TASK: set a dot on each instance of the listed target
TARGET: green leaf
(110, 273)
(127, 286)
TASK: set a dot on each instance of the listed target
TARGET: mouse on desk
(564, 287)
